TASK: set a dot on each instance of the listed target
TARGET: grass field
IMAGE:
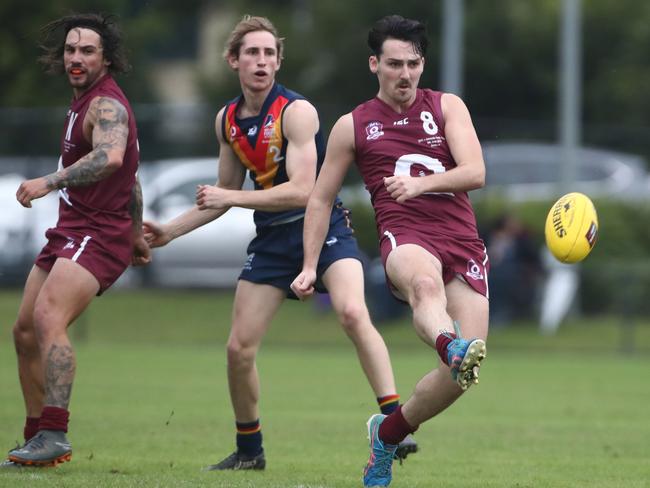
(150, 405)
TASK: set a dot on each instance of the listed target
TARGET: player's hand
(303, 285)
(155, 234)
(401, 188)
(211, 197)
(30, 190)
(141, 252)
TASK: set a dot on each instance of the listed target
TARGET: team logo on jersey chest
(374, 130)
(269, 128)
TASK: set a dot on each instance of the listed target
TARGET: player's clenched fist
(401, 188)
(303, 285)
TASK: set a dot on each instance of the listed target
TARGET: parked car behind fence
(533, 171)
(211, 256)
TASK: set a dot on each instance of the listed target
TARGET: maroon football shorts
(463, 258)
(86, 250)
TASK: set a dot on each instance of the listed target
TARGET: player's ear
(233, 62)
(373, 63)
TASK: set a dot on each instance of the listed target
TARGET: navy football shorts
(275, 254)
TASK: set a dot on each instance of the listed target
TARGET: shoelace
(457, 329)
(232, 459)
(37, 442)
(383, 461)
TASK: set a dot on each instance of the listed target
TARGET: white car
(522, 171)
(22, 230)
(210, 256)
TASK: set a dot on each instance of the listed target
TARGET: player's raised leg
(416, 273)
(254, 307)
(437, 390)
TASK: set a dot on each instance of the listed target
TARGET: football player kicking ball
(418, 154)
(274, 133)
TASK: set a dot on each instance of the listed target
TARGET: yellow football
(571, 228)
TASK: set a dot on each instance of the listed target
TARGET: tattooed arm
(141, 251)
(106, 123)
(135, 207)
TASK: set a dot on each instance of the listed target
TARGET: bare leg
(437, 391)
(66, 293)
(254, 307)
(417, 274)
(52, 302)
(344, 281)
(30, 365)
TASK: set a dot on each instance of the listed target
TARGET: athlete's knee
(423, 288)
(353, 316)
(48, 321)
(24, 337)
(239, 353)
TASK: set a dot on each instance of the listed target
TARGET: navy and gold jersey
(260, 145)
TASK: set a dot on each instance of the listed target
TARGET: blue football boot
(379, 470)
(464, 358)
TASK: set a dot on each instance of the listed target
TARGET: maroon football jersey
(100, 210)
(410, 143)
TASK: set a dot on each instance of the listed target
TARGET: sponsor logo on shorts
(474, 271)
(331, 241)
(70, 244)
(248, 265)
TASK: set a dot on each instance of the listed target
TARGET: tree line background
(510, 69)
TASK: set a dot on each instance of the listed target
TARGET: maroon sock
(442, 342)
(31, 427)
(54, 418)
(394, 428)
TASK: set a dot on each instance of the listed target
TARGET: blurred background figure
(516, 271)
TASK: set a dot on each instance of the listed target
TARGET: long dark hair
(397, 27)
(105, 25)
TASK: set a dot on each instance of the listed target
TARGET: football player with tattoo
(274, 133)
(98, 233)
(419, 155)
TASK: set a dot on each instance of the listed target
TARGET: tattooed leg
(66, 293)
(60, 367)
